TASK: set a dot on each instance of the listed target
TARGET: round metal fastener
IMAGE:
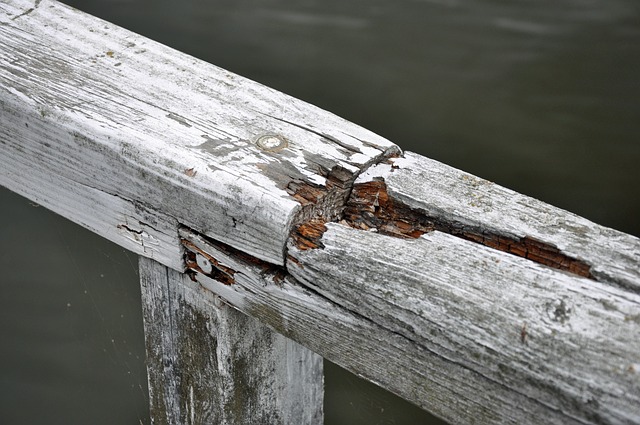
(204, 263)
(271, 142)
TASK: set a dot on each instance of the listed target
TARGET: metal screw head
(271, 142)
(204, 263)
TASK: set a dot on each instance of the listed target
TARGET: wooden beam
(534, 326)
(477, 209)
(210, 364)
(472, 301)
(87, 102)
(521, 339)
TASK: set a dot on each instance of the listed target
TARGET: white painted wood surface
(210, 364)
(532, 344)
(86, 101)
(131, 224)
(135, 140)
(471, 334)
(452, 195)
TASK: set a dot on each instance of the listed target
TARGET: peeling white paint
(134, 129)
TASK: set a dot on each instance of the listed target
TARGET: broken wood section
(371, 208)
(437, 197)
(238, 161)
(473, 332)
(490, 280)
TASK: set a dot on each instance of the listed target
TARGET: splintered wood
(308, 235)
(320, 230)
(530, 249)
(321, 203)
(371, 208)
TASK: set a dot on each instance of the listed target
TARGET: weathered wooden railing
(474, 302)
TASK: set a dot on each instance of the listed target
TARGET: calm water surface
(542, 97)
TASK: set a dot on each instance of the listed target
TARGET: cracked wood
(472, 204)
(371, 208)
(85, 101)
(467, 332)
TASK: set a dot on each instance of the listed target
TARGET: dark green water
(542, 97)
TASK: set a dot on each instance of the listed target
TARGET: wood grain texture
(111, 110)
(131, 224)
(210, 364)
(565, 347)
(134, 140)
(347, 339)
(468, 333)
(445, 193)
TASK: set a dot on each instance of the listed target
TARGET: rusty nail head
(271, 143)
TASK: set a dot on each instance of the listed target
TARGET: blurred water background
(540, 96)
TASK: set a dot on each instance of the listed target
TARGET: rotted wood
(537, 301)
(476, 209)
(472, 301)
(530, 343)
(521, 327)
(210, 364)
(370, 207)
(87, 102)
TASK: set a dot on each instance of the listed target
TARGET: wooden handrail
(470, 300)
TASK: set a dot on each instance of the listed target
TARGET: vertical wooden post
(210, 364)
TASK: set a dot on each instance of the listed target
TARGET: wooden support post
(209, 363)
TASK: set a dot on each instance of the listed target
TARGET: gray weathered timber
(86, 101)
(131, 224)
(471, 334)
(350, 340)
(210, 364)
(141, 143)
(445, 193)
(561, 344)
